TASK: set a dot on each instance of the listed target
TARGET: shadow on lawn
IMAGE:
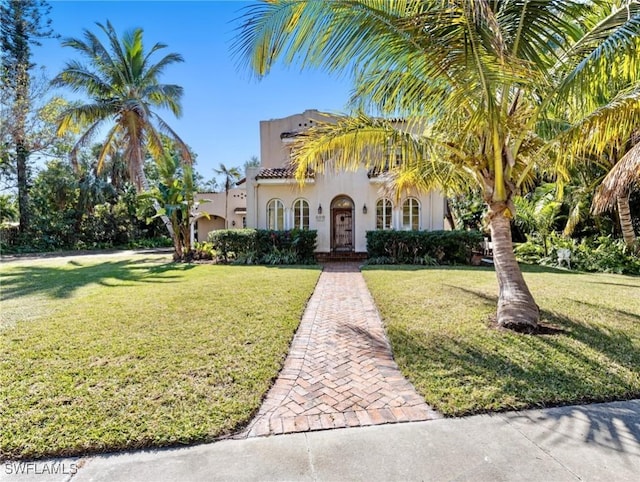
(61, 282)
(615, 343)
(581, 363)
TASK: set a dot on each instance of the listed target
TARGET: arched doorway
(342, 224)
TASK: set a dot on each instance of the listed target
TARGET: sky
(223, 102)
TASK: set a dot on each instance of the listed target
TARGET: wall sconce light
(233, 223)
(319, 208)
(364, 209)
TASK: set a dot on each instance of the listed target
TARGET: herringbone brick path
(339, 371)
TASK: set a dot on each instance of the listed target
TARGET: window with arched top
(411, 214)
(301, 214)
(275, 214)
(383, 214)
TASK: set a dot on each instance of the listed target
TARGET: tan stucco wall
(215, 207)
(205, 226)
(324, 190)
(273, 151)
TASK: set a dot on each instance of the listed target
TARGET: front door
(342, 230)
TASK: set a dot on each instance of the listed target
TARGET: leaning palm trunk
(516, 307)
(626, 225)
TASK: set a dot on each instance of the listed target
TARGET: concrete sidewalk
(593, 442)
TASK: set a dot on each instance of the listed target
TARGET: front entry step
(340, 256)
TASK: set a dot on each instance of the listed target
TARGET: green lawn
(110, 353)
(439, 324)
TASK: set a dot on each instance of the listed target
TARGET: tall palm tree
(231, 175)
(472, 78)
(120, 80)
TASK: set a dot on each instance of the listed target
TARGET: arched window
(411, 214)
(275, 214)
(383, 214)
(301, 214)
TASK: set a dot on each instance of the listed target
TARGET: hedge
(422, 247)
(263, 246)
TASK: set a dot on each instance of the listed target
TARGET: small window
(301, 214)
(383, 214)
(275, 214)
(411, 214)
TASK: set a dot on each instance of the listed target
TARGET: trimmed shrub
(263, 246)
(422, 247)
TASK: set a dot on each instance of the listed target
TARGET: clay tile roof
(278, 173)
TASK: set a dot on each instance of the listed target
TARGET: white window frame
(277, 206)
(409, 204)
(299, 219)
(387, 214)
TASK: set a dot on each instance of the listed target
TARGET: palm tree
(253, 161)
(617, 157)
(472, 78)
(604, 106)
(616, 186)
(175, 196)
(121, 81)
(231, 175)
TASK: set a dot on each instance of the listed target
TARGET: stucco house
(213, 204)
(341, 206)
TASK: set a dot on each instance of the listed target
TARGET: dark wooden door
(342, 230)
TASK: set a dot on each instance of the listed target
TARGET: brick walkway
(339, 371)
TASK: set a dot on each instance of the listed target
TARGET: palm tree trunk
(516, 307)
(626, 225)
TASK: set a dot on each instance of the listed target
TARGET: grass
(439, 325)
(108, 353)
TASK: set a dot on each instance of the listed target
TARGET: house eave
(284, 181)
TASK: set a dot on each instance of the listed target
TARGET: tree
(121, 83)
(22, 23)
(604, 106)
(8, 209)
(616, 186)
(472, 79)
(253, 161)
(231, 175)
(538, 212)
(175, 194)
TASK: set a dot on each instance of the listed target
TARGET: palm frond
(80, 115)
(164, 128)
(164, 95)
(153, 71)
(619, 181)
(599, 130)
(608, 50)
(78, 77)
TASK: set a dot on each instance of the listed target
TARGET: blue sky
(223, 103)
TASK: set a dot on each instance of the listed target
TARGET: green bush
(255, 246)
(422, 247)
(593, 254)
(231, 243)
